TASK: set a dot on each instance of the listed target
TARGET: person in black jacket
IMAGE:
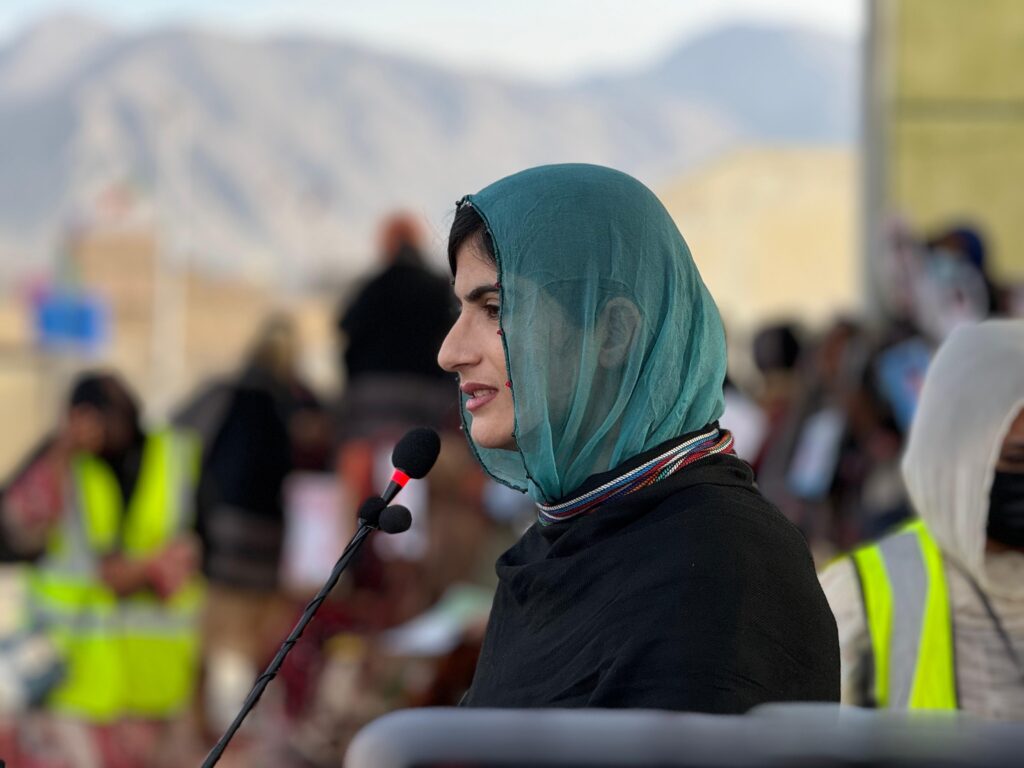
(390, 331)
(397, 320)
(591, 360)
(255, 444)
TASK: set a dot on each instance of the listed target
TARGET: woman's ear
(617, 329)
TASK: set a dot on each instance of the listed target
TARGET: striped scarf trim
(710, 443)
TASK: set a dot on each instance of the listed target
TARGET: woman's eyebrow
(479, 292)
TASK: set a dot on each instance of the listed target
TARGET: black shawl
(692, 594)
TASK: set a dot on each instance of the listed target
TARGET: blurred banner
(945, 122)
(316, 530)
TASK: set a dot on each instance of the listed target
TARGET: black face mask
(1006, 509)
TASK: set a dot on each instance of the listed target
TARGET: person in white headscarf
(932, 616)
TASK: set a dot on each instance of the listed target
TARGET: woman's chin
(495, 439)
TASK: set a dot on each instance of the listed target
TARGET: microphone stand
(271, 672)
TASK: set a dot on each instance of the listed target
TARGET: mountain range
(278, 155)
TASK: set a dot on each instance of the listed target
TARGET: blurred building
(169, 328)
(773, 231)
(173, 326)
(121, 268)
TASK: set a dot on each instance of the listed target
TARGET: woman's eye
(492, 311)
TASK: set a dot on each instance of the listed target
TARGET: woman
(932, 616)
(591, 359)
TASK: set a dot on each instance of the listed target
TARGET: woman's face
(474, 351)
(1011, 455)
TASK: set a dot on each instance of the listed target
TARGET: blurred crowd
(823, 416)
(153, 570)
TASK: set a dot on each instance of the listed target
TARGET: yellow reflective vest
(906, 602)
(134, 656)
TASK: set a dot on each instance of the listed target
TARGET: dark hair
(107, 393)
(777, 347)
(466, 226)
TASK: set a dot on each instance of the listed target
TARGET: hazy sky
(544, 39)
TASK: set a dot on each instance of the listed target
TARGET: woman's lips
(479, 395)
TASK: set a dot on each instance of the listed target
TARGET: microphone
(413, 457)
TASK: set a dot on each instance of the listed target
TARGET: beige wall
(773, 233)
(30, 385)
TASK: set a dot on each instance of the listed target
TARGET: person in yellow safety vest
(117, 584)
(932, 616)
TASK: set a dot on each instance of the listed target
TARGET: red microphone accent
(399, 478)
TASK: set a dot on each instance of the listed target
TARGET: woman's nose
(453, 354)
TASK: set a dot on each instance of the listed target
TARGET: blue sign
(71, 322)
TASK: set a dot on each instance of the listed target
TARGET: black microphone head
(395, 519)
(416, 453)
(369, 510)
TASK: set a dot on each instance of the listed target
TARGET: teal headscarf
(613, 344)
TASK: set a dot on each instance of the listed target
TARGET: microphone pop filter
(416, 453)
(369, 510)
(395, 519)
